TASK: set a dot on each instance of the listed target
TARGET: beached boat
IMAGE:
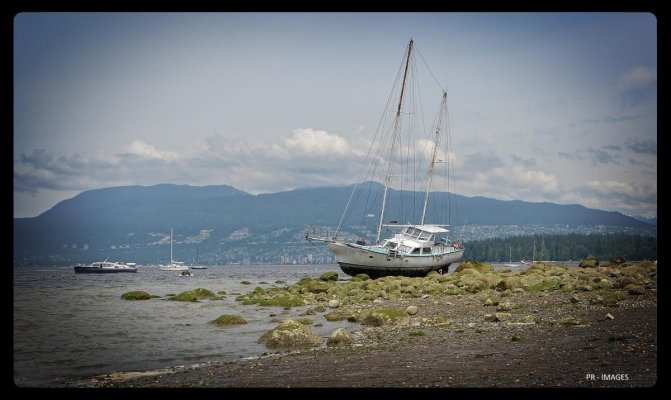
(174, 265)
(105, 267)
(410, 249)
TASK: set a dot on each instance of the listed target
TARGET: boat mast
(436, 143)
(392, 150)
(171, 246)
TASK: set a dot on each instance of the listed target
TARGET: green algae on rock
(229, 319)
(137, 295)
(290, 334)
(195, 295)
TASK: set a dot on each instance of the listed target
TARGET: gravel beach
(485, 339)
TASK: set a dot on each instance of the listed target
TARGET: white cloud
(316, 142)
(636, 78)
(143, 149)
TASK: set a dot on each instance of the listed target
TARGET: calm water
(67, 325)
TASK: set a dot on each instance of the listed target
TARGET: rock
(517, 337)
(136, 295)
(609, 316)
(194, 295)
(228, 319)
(527, 319)
(378, 301)
(589, 262)
(360, 277)
(635, 289)
(575, 299)
(491, 318)
(505, 306)
(573, 321)
(340, 337)
(290, 334)
(384, 295)
(333, 303)
(475, 265)
(329, 276)
(509, 283)
(411, 310)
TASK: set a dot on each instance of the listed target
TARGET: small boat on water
(186, 273)
(174, 265)
(105, 267)
(198, 267)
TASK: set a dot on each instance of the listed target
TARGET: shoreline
(576, 341)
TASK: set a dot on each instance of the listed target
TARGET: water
(68, 325)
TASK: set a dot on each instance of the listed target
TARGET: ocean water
(68, 325)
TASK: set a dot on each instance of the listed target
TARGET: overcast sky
(557, 107)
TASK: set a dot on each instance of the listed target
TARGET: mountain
(223, 224)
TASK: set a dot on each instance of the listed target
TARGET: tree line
(563, 247)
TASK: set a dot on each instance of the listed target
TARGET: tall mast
(436, 143)
(170, 245)
(392, 150)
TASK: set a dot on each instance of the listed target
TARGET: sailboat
(511, 264)
(197, 265)
(409, 249)
(174, 265)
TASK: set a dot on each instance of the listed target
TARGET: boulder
(340, 337)
(589, 262)
(329, 276)
(136, 295)
(291, 335)
(476, 265)
(411, 310)
(228, 319)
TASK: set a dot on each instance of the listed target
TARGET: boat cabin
(417, 240)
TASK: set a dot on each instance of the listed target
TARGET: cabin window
(415, 251)
(424, 235)
(404, 249)
(426, 250)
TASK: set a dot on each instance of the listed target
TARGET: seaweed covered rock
(195, 295)
(329, 276)
(137, 295)
(589, 262)
(290, 334)
(340, 337)
(476, 265)
(229, 319)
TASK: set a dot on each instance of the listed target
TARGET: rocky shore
(546, 326)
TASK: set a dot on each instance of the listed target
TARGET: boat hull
(97, 270)
(375, 262)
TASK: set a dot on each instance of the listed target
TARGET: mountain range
(221, 224)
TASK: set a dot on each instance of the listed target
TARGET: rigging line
(427, 67)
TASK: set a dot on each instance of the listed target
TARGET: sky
(543, 107)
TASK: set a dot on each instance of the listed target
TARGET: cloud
(483, 161)
(307, 157)
(644, 146)
(637, 85)
(602, 157)
(145, 150)
(636, 78)
(618, 195)
(310, 141)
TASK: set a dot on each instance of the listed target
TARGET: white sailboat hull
(375, 261)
